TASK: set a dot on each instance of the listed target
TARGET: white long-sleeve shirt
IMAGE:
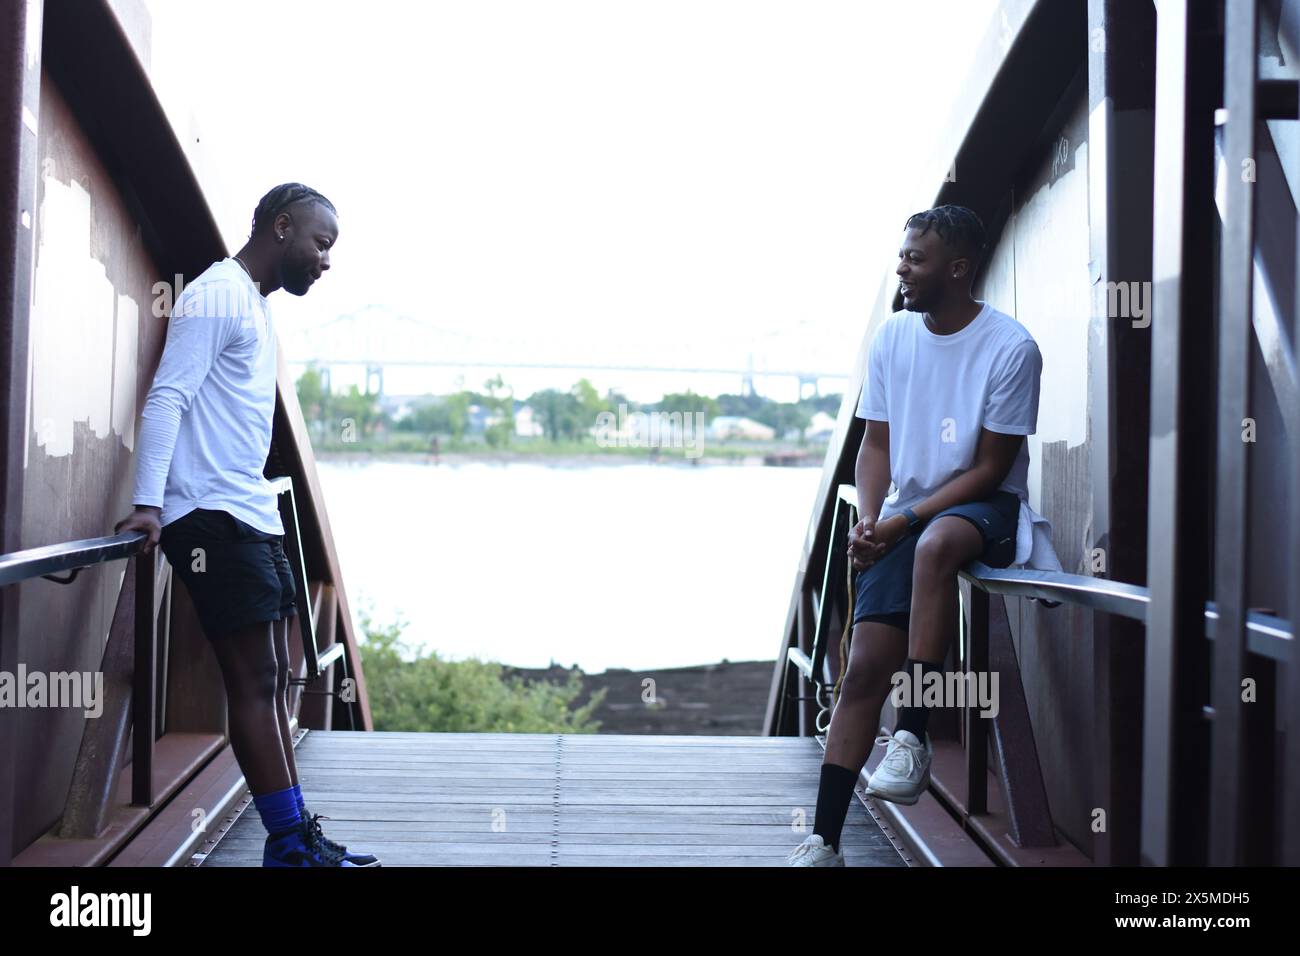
(205, 430)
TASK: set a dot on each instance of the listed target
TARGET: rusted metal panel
(91, 332)
(993, 829)
(192, 821)
(95, 61)
(94, 777)
(1015, 743)
(20, 68)
(1043, 256)
(177, 758)
(196, 698)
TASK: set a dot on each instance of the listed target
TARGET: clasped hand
(869, 539)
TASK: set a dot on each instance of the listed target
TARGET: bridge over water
(1123, 734)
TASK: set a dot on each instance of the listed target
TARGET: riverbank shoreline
(727, 699)
(558, 460)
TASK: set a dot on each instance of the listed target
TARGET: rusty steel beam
(1288, 711)
(1174, 764)
(1236, 289)
(1121, 125)
(1029, 815)
(94, 777)
(144, 681)
(976, 728)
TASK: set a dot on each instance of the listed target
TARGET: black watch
(913, 522)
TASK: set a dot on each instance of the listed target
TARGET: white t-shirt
(205, 429)
(937, 392)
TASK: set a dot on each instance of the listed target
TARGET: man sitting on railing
(952, 389)
(200, 493)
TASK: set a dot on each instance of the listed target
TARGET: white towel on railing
(1034, 549)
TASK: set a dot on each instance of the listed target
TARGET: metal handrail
(69, 556)
(1267, 635)
(74, 556)
(1113, 597)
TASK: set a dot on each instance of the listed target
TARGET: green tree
(689, 402)
(427, 694)
(311, 394)
(784, 417)
(362, 411)
(428, 416)
(588, 399)
(614, 399)
(458, 414)
(500, 403)
(559, 413)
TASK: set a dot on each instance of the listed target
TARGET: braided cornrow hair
(281, 198)
(957, 226)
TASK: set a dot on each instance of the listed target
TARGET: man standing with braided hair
(200, 494)
(951, 392)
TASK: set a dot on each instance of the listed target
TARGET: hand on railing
(144, 518)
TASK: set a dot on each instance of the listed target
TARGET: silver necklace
(241, 262)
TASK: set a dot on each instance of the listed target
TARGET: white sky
(683, 182)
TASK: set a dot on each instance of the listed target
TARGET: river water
(599, 565)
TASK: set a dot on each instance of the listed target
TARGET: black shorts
(883, 592)
(236, 575)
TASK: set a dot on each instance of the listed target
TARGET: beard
(296, 280)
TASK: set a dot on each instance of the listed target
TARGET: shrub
(428, 694)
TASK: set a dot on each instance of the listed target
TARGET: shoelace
(330, 851)
(901, 758)
(802, 850)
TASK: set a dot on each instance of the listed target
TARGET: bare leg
(282, 696)
(248, 668)
(947, 545)
(876, 652)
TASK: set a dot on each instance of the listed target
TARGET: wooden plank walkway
(562, 800)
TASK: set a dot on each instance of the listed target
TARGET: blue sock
(297, 795)
(279, 810)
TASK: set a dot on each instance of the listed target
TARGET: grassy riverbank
(408, 447)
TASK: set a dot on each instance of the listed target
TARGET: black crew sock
(833, 797)
(915, 719)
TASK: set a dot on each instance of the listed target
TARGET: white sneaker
(905, 772)
(814, 852)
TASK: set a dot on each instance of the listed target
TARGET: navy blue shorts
(242, 576)
(883, 592)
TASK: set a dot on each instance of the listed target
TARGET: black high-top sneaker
(353, 859)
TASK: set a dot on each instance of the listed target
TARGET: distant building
(398, 407)
(729, 427)
(821, 428)
(527, 424)
(478, 419)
